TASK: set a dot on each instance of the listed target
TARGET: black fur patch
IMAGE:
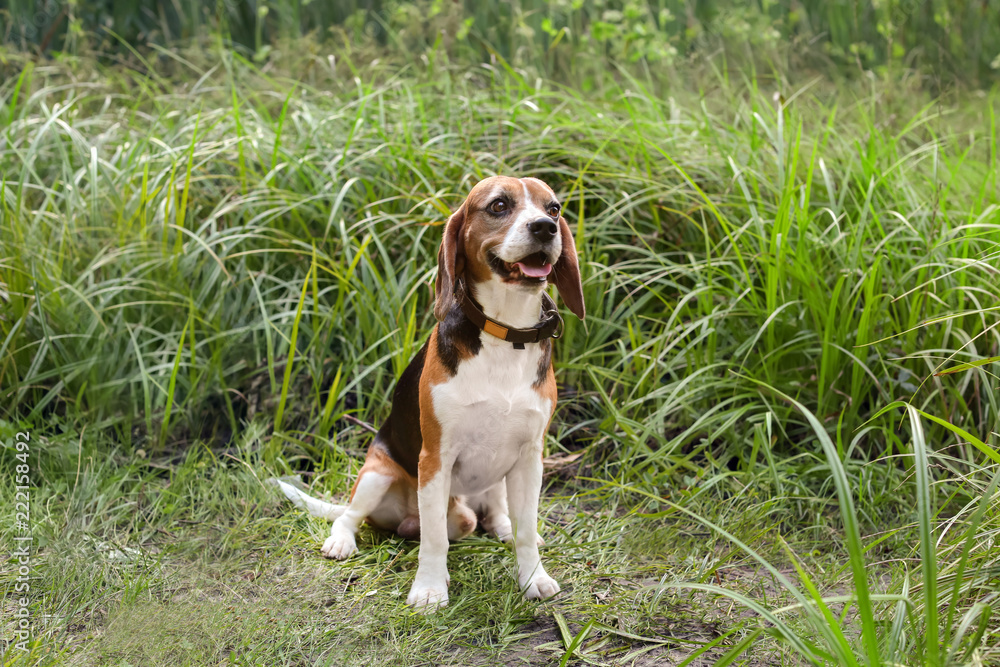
(544, 362)
(400, 434)
(457, 335)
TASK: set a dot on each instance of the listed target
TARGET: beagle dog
(463, 441)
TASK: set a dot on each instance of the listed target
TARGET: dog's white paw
(541, 587)
(339, 545)
(428, 592)
(499, 525)
(428, 598)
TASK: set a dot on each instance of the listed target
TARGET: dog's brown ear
(451, 263)
(567, 272)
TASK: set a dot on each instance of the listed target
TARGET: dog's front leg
(524, 484)
(430, 588)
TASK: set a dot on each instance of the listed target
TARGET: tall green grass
(765, 275)
(910, 631)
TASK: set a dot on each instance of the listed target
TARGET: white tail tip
(302, 500)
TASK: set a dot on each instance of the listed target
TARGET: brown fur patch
(547, 389)
(566, 272)
(434, 373)
(537, 188)
(378, 460)
(451, 262)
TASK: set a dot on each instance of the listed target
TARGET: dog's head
(510, 230)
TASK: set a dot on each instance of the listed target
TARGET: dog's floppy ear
(451, 263)
(567, 272)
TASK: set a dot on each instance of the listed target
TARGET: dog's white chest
(489, 413)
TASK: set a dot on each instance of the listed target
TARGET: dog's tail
(314, 506)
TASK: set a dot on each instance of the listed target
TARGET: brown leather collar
(550, 325)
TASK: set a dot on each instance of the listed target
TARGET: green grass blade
(968, 542)
(928, 555)
(852, 532)
(292, 343)
(172, 384)
(739, 649)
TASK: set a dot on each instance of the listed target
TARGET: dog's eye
(499, 206)
(554, 210)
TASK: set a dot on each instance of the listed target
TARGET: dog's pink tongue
(535, 271)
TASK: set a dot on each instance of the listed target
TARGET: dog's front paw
(541, 587)
(505, 533)
(428, 598)
(339, 545)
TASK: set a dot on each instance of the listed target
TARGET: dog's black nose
(544, 229)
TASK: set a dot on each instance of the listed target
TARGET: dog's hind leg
(369, 489)
(491, 505)
(461, 519)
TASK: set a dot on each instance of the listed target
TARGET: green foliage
(220, 260)
(941, 40)
(734, 241)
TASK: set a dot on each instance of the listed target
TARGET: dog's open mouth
(533, 268)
